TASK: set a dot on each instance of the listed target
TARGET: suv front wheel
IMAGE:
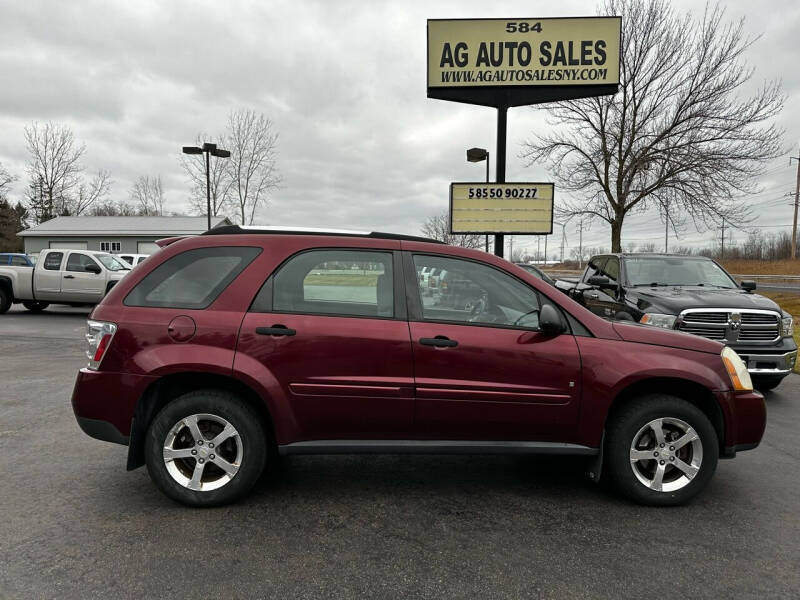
(661, 450)
(206, 448)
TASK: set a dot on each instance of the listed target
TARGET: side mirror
(599, 281)
(92, 268)
(550, 321)
(748, 285)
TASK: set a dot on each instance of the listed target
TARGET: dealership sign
(522, 61)
(502, 208)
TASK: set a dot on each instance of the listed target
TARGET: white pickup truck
(75, 277)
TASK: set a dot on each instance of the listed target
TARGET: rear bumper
(769, 360)
(104, 403)
(745, 423)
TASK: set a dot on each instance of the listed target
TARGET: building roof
(122, 226)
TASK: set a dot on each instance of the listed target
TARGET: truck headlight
(737, 370)
(659, 320)
(787, 326)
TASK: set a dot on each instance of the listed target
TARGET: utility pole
(666, 232)
(545, 249)
(580, 247)
(563, 240)
(796, 198)
(511, 248)
(722, 250)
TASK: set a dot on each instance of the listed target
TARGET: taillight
(98, 335)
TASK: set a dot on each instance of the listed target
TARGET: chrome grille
(732, 325)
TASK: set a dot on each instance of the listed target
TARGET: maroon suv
(227, 349)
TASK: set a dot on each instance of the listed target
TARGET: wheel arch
(691, 391)
(169, 387)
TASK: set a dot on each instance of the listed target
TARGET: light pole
(209, 150)
(478, 155)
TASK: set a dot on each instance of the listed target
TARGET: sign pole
(500, 165)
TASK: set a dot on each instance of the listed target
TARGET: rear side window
(18, 261)
(52, 261)
(331, 282)
(594, 267)
(192, 279)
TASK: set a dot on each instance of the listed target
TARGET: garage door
(69, 245)
(147, 248)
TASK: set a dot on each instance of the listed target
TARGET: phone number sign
(509, 208)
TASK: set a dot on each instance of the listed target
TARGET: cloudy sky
(344, 82)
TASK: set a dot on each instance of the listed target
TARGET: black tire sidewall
(34, 306)
(232, 409)
(627, 422)
(5, 301)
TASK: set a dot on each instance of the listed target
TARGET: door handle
(440, 341)
(275, 330)
(69, 276)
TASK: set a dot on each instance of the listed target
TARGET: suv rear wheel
(661, 450)
(206, 448)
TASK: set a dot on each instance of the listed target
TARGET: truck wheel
(660, 450)
(206, 448)
(5, 301)
(34, 306)
(765, 384)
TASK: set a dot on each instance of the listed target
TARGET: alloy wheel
(203, 452)
(666, 454)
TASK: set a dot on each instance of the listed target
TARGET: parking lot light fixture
(209, 149)
(478, 155)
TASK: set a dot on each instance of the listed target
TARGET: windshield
(676, 271)
(112, 263)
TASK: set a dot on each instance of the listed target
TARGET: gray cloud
(344, 82)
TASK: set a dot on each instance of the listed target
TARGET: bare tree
(148, 195)
(678, 133)
(90, 192)
(438, 228)
(220, 178)
(54, 168)
(253, 169)
(6, 179)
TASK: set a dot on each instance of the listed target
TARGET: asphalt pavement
(75, 524)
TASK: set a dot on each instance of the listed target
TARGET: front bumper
(746, 420)
(769, 360)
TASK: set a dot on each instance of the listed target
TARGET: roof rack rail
(261, 229)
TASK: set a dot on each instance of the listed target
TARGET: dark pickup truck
(692, 294)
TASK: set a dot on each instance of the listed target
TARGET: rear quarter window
(191, 279)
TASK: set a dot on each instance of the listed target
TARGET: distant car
(695, 295)
(132, 259)
(73, 277)
(537, 272)
(14, 259)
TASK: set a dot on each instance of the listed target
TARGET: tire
(636, 424)
(34, 306)
(229, 470)
(5, 301)
(765, 384)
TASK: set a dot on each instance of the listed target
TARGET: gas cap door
(181, 328)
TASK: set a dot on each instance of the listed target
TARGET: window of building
(111, 246)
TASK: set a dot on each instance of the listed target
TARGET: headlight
(659, 320)
(737, 370)
(787, 326)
